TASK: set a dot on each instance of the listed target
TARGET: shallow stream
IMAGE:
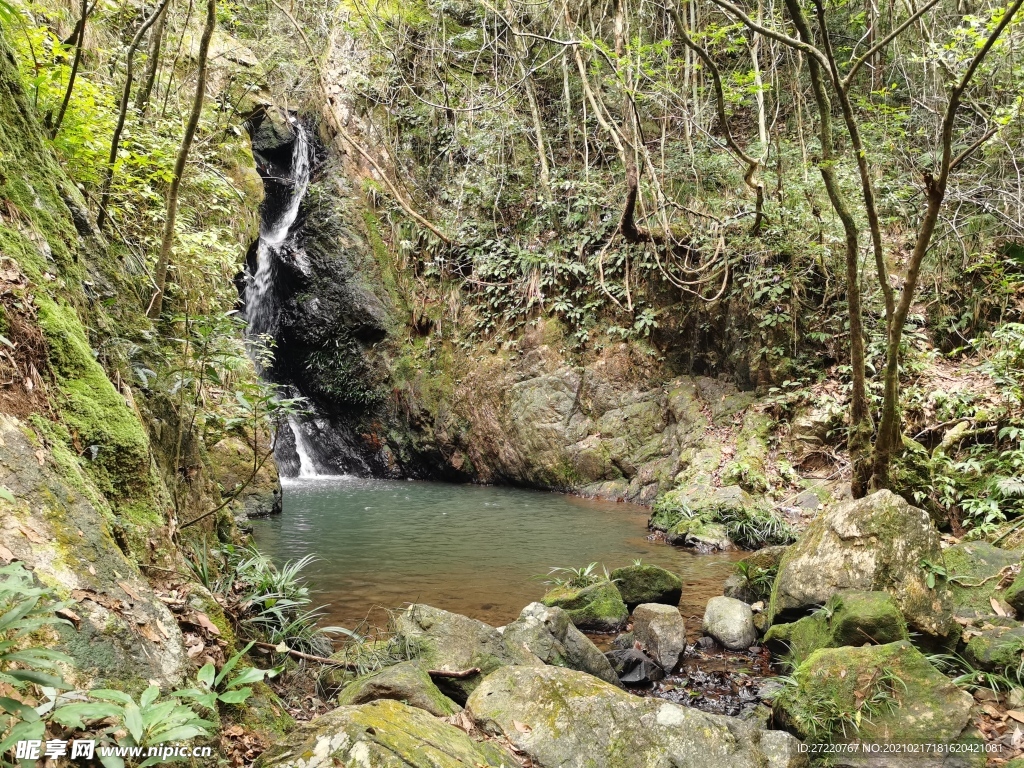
(474, 550)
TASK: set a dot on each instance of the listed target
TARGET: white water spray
(260, 306)
(306, 466)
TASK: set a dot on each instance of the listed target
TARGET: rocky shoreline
(830, 641)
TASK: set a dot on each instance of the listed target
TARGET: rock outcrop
(383, 734)
(597, 608)
(879, 542)
(647, 584)
(661, 632)
(565, 719)
(407, 682)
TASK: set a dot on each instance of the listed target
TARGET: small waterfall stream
(261, 305)
(276, 243)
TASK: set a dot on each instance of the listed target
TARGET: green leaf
(247, 677)
(7, 495)
(19, 709)
(149, 696)
(22, 731)
(112, 761)
(207, 674)
(39, 678)
(236, 697)
(77, 715)
(183, 733)
(106, 694)
(133, 721)
(230, 664)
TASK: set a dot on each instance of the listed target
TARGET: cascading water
(276, 242)
(260, 303)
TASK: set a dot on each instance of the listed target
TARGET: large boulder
(700, 534)
(973, 574)
(878, 542)
(730, 622)
(881, 694)
(407, 682)
(449, 641)
(647, 584)
(849, 618)
(598, 608)
(997, 650)
(549, 634)
(383, 734)
(661, 631)
(565, 719)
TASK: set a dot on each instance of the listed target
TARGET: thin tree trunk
(108, 172)
(156, 41)
(859, 443)
(74, 72)
(167, 242)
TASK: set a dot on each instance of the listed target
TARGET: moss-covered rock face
(878, 543)
(383, 734)
(879, 694)
(973, 571)
(456, 643)
(563, 718)
(849, 618)
(996, 650)
(407, 682)
(549, 634)
(62, 527)
(647, 584)
(598, 608)
(699, 534)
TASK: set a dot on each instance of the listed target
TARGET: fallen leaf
(997, 607)
(32, 535)
(521, 727)
(194, 650)
(134, 595)
(41, 457)
(1017, 715)
(204, 621)
(6, 554)
(67, 613)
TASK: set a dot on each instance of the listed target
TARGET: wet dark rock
(633, 667)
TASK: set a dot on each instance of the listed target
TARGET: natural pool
(468, 549)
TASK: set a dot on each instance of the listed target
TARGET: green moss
(998, 650)
(972, 574)
(647, 584)
(598, 607)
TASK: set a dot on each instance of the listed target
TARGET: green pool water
(474, 550)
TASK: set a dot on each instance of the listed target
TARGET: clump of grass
(970, 678)
(575, 578)
(759, 580)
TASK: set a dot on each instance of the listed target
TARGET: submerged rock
(647, 584)
(564, 719)
(876, 543)
(884, 694)
(661, 631)
(598, 608)
(849, 618)
(383, 734)
(407, 682)
(549, 634)
(455, 643)
(730, 622)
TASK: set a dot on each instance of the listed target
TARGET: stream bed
(474, 550)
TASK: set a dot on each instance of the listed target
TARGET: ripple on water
(470, 549)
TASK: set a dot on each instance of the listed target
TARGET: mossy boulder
(559, 717)
(973, 571)
(647, 584)
(449, 641)
(996, 649)
(881, 694)
(382, 734)
(1014, 595)
(232, 463)
(877, 543)
(755, 575)
(598, 608)
(407, 682)
(699, 534)
(849, 618)
(549, 634)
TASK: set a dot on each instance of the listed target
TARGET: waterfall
(260, 303)
(306, 466)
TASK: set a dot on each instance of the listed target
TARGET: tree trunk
(156, 41)
(74, 71)
(167, 242)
